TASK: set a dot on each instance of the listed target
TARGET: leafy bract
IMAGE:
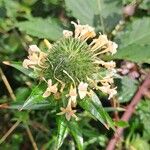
(75, 130)
(61, 132)
(94, 107)
(36, 99)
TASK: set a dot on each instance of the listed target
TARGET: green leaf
(109, 109)
(18, 66)
(76, 133)
(61, 132)
(89, 11)
(22, 116)
(145, 4)
(22, 93)
(121, 123)
(102, 111)
(95, 108)
(42, 28)
(14, 8)
(35, 97)
(136, 53)
(35, 106)
(134, 42)
(143, 111)
(126, 88)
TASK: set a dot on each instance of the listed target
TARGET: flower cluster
(36, 58)
(73, 66)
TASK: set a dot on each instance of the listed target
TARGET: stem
(129, 111)
(12, 95)
(31, 138)
(9, 131)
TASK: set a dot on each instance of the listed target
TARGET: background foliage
(25, 22)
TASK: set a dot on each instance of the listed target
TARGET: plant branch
(12, 95)
(129, 111)
(31, 138)
(9, 131)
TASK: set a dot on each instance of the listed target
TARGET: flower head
(74, 61)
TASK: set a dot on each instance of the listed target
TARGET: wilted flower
(33, 49)
(99, 42)
(108, 65)
(83, 32)
(74, 61)
(68, 111)
(82, 89)
(107, 89)
(73, 95)
(36, 58)
(50, 89)
(67, 33)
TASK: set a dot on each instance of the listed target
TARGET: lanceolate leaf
(18, 66)
(90, 107)
(42, 28)
(35, 97)
(61, 132)
(36, 106)
(96, 109)
(76, 133)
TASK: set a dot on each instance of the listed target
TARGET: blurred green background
(25, 22)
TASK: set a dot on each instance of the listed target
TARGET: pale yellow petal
(46, 93)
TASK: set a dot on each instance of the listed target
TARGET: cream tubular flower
(50, 89)
(31, 62)
(83, 32)
(111, 47)
(112, 93)
(103, 45)
(67, 33)
(36, 58)
(109, 65)
(107, 80)
(99, 42)
(106, 89)
(41, 60)
(73, 95)
(82, 89)
(33, 48)
(68, 111)
(87, 32)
